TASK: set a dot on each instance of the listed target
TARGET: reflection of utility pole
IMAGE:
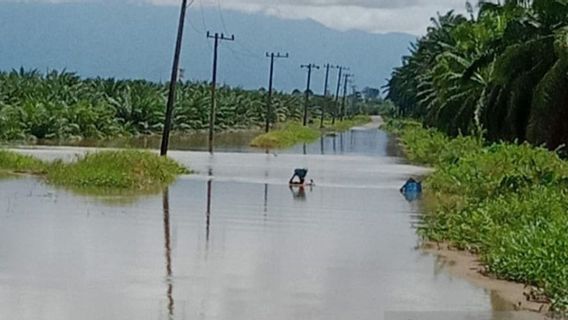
(168, 253)
(173, 83)
(327, 67)
(216, 38)
(272, 56)
(309, 67)
(265, 198)
(336, 107)
(208, 213)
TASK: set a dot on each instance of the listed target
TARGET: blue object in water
(411, 190)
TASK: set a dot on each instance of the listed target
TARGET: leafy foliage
(503, 72)
(60, 105)
(506, 202)
(128, 169)
(289, 135)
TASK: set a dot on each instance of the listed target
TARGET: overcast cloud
(412, 16)
(379, 16)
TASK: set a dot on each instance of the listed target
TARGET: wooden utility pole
(336, 111)
(345, 82)
(173, 83)
(325, 86)
(309, 67)
(216, 38)
(272, 56)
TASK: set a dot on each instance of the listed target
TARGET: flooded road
(233, 242)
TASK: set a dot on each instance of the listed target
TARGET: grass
(293, 133)
(133, 170)
(11, 162)
(347, 124)
(506, 202)
(108, 171)
(289, 135)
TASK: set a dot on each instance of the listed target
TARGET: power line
(325, 86)
(217, 37)
(272, 56)
(173, 82)
(310, 67)
(336, 107)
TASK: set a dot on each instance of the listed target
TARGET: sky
(376, 16)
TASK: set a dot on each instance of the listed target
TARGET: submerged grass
(347, 124)
(134, 170)
(508, 203)
(289, 135)
(105, 171)
(293, 133)
(11, 162)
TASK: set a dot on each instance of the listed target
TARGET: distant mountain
(136, 41)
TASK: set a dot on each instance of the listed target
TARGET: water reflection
(299, 193)
(208, 212)
(168, 251)
(265, 199)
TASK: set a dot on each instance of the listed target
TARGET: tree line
(61, 105)
(500, 71)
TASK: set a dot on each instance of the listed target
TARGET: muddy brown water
(233, 242)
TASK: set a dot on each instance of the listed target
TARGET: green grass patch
(132, 170)
(289, 135)
(347, 124)
(506, 202)
(12, 162)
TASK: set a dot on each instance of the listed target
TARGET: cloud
(377, 16)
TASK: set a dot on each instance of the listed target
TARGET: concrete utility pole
(327, 67)
(173, 83)
(216, 38)
(272, 56)
(345, 82)
(353, 99)
(309, 67)
(339, 75)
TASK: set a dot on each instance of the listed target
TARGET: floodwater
(233, 242)
(230, 141)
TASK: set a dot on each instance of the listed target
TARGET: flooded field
(233, 242)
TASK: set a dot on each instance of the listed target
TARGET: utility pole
(216, 38)
(173, 82)
(345, 82)
(336, 111)
(353, 99)
(272, 56)
(327, 67)
(309, 67)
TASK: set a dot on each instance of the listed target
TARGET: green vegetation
(506, 202)
(108, 171)
(289, 135)
(347, 124)
(294, 133)
(501, 71)
(133, 170)
(11, 162)
(64, 106)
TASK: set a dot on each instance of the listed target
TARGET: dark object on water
(301, 175)
(412, 190)
(411, 185)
